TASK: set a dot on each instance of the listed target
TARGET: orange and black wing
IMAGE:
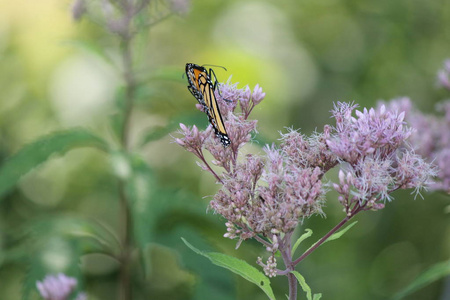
(202, 88)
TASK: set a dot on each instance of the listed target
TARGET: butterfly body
(202, 88)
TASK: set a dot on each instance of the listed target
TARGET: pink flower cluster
(58, 287)
(268, 196)
(375, 159)
(431, 138)
(372, 132)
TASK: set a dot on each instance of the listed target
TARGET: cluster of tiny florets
(232, 231)
(233, 96)
(236, 199)
(270, 195)
(289, 194)
(274, 246)
(430, 143)
(193, 139)
(372, 131)
(270, 267)
(375, 156)
(308, 152)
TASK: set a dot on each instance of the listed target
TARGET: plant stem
(125, 212)
(285, 250)
(126, 242)
(324, 238)
(292, 286)
(130, 89)
(200, 155)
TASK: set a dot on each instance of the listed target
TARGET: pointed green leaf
(341, 232)
(336, 235)
(37, 152)
(303, 237)
(317, 296)
(434, 273)
(239, 267)
(305, 287)
(303, 284)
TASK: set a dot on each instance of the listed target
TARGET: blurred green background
(305, 54)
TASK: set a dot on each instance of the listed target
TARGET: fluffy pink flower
(56, 287)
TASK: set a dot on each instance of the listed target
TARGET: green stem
(130, 90)
(126, 241)
(125, 211)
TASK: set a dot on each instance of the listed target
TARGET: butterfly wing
(202, 88)
(193, 72)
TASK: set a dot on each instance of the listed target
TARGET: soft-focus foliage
(58, 73)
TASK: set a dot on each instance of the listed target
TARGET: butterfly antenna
(215, 66)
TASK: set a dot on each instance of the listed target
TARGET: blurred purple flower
(443, 75)
(81, 296)
(443, 163)
(258, 95)
(430, 139)
(78, 9)
(412, 171)
(56, 287)
(180, 6)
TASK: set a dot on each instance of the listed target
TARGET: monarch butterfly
(202, 88)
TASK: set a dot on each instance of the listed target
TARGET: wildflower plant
(267, 196)
(263, 196)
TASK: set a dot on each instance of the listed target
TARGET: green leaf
(37, 152)
(341, 232)
(303, 284)
(317, 296)
(336, 235)
(92, 236)
(239, 267)
(434, 273)
(305, 287)
(303, 237)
